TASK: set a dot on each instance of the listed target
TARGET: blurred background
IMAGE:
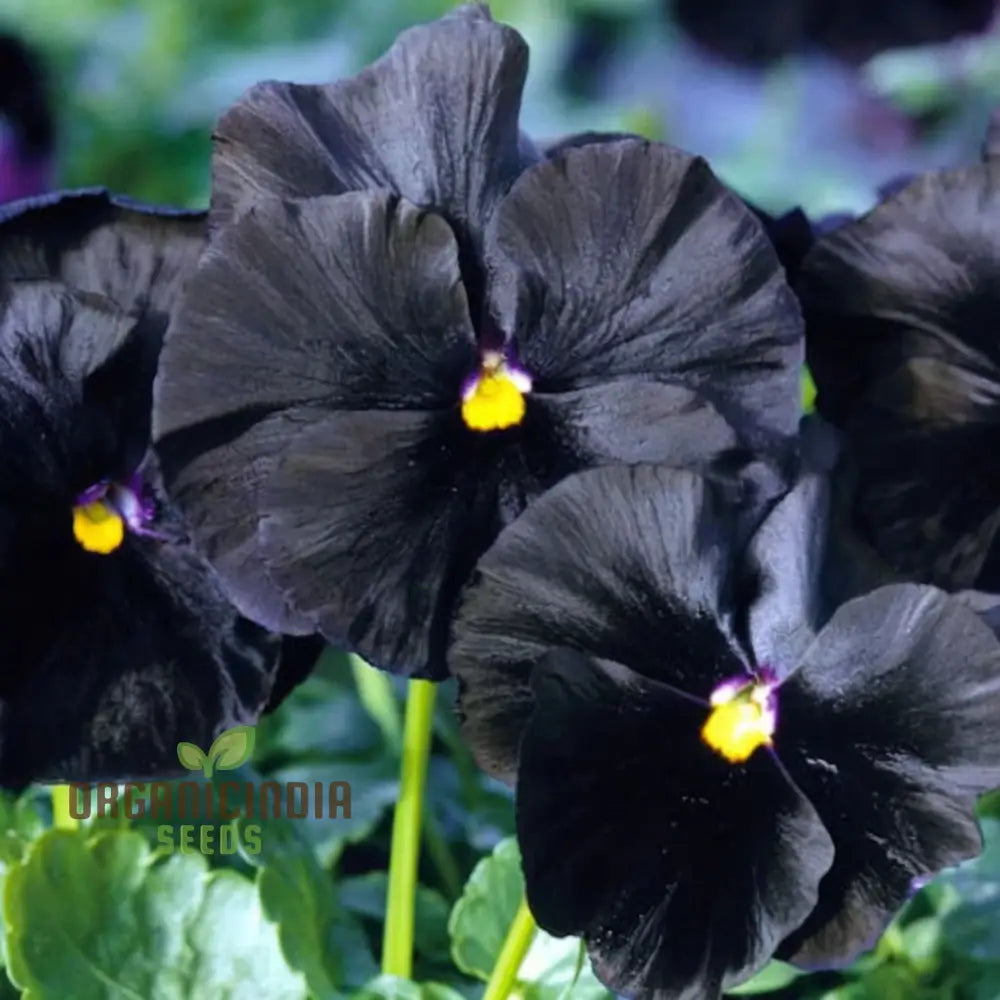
(815, 103)
(812, 103)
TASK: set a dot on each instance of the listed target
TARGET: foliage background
(102, 910)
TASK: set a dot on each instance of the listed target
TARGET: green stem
(418, 727)
(515, 947)
(62, 819)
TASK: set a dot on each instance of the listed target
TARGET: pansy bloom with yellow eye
(715, 760)
(901, 309)
(407, 325)
(116, 640)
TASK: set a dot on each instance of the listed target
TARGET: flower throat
(493, 398)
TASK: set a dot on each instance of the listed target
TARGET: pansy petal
(631, 259)
(351, 303)
(631, 420)
(574, 140)
(625, 563)
(890, 729)
(791, 235)
(985, 605)
(900, 309)
(110, 661)
(909, 279)
(682, 872)
(928, 496)
(805, 560)
(354, 301)
(217, 482)
(435, 120)
(299, 655)
(60, 351)
(137, 256)
(371, 523)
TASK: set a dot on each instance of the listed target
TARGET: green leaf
(394, 988)
(808, 391)
(318, 936)
(554, 969)
(232, 748)
(922, 943)
(322, 718)
(20, 824)
(893, 981)
(774, 976)
(99, 917)
(971, 927)
(191, 756)
(374, 790)
(481, 918)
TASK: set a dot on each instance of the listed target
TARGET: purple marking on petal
(519, 377)
(148, 507)
(767, 675)
(144, 494)
(136, 483)
(129, 506)
(727, 688)
(469, 386)
(150, 533)
(771, 710)
(135, 504)
(92, 494)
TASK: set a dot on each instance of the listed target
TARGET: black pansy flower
(901, 309)
(116, 639)
(716, 761)
(405, 328)
(751, 31)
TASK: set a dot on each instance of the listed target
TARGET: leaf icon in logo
(230, 749)
(191, 756)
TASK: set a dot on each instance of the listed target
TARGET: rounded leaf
(97, 917)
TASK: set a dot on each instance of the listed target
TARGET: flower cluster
(527, 415)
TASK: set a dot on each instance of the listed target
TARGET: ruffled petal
(137, 256)
(111, 661)
(108, 660)
(900, 309)
(682, 872)
(217, 474)
(629, 259)
(435, 120)
(629, 564)
(350, 303)
(371, 524)
(889, 728)
(805, 560)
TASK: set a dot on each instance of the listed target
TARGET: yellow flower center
(741, 720)
(98, 527)
(494, 400)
